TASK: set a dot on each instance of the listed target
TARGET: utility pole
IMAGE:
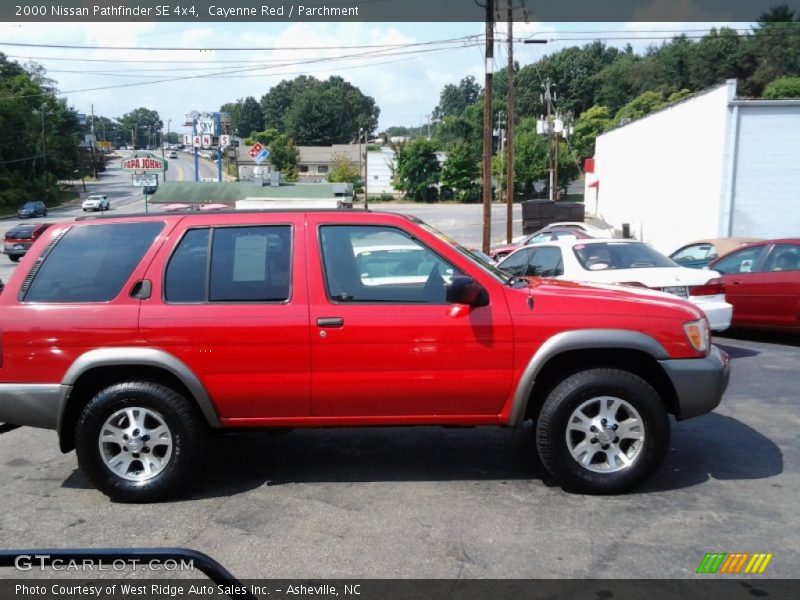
(548, 100)
(91, 145)
(487, 127)
(510, 130)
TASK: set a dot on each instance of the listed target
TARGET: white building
(709, 166)
(380, 169)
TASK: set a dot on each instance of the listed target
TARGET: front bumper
(699, 382)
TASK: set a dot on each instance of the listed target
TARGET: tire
(609, 459)
(146, 470)
(14, 258)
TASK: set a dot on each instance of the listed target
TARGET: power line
(242, 70)
(226, 49)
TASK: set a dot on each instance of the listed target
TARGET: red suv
(175, 326)
(20, 238)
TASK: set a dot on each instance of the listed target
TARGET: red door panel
(406, 360)
(253, 357)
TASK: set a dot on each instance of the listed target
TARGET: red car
(20, 238)
(547, 234)
(135, 337)
(762, 282)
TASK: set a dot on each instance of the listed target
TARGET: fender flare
(578, 339)
(151, 357)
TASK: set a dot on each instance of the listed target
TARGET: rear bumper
(699, 382)
(718, 312)
(35, 405)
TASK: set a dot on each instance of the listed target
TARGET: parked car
(176, 325)
(762, 282)
(34, 208)
(626, 262)
(20, 238)
(699, 254)
(172, 154)
(600, 230)
(96, 202)
(546, 234)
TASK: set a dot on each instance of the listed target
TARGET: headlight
(698, 334)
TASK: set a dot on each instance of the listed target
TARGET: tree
(141, 126)
(642, 105)
(454, 99)
(343, 171)
(784, 87)
(315, 112)
(461, 171)
(250, 117)
(33, 120)
(418, 169)
(590, 124)
(284, 155)
(262, 137)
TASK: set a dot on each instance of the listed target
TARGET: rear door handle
(330, 322)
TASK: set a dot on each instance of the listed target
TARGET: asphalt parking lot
(449, 503)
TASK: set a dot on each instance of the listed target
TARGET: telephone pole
(510, 130)
(487, 127)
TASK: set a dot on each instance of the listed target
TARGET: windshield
(475, 258)
(620, 255)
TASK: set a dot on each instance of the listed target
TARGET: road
(116, 184)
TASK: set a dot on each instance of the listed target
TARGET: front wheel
(602, 431)
(14, 258)
(140, 441)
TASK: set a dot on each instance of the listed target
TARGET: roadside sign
(206, 140)
(198, 140)
(144, 162)
(258, 153)
(144, 179)
(224, 141)
(187, 139)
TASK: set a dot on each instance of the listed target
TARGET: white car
(623, 262)
(172, 154)
(96, 202)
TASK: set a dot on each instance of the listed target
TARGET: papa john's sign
(144, 162)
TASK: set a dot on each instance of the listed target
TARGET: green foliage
(343, 171)
(33, 120)
(461, 171)
(454, 99)
(591, 123)
(246, 116)
(262, 137)
(418, 169)
(284, 155)
(314, 112)
(784, 87)
(140, 126)
(639, 107)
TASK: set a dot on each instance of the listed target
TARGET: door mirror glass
(467, 291)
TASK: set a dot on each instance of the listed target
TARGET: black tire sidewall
(176, 413)
(570, 394)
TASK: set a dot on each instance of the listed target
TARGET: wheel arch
(97, 369)
(572, 351)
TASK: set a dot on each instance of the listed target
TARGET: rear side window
(247, 264)
(91, 263)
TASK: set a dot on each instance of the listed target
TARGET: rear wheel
(14, 258)
(602, 431)
(139, 441)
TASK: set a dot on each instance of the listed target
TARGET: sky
(404, 82)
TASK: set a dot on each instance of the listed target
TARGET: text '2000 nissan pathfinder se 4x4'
(174, 326)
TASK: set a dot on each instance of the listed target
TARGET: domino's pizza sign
(258, 153)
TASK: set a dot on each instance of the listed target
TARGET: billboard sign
(144, 162)
(144, 179)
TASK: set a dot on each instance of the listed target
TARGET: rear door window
(546, 263)
(90, 263)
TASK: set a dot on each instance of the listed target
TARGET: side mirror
(467, 291)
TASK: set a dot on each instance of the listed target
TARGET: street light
(43, 111)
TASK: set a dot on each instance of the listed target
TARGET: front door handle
(330, 322)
